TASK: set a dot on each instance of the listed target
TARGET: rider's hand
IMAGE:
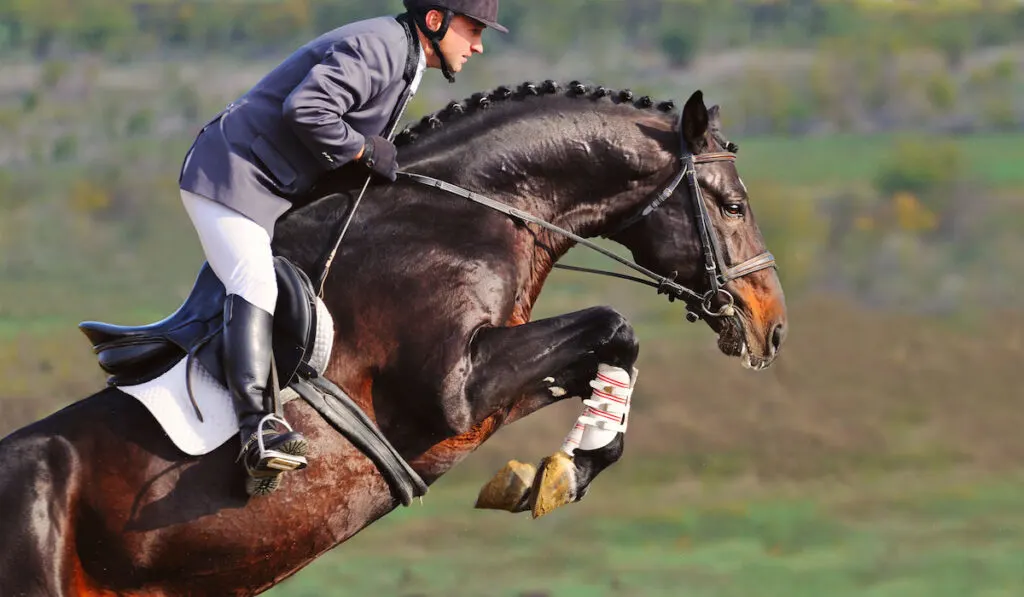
(380, 157)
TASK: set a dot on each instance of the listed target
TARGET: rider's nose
(778, 335)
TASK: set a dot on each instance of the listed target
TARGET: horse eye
(734, 209)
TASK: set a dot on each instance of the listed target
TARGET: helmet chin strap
(435, 38)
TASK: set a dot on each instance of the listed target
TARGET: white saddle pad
(166, 397)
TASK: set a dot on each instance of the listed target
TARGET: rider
(328, 104)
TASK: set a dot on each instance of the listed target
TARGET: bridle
(718, 273)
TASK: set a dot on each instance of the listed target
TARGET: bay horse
(431, 296)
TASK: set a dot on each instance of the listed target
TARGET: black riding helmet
(484, 11)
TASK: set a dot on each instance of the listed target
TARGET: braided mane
(485, 100)
(575, 89)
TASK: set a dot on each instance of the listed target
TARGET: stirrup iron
(271, 461)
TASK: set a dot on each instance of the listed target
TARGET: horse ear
(715, 118)
(694, 122)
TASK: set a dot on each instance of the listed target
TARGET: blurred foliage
(46, 26)
(866, 65)
(679, 46)
(89, 197)
(139, 123)
(920, 166)
(65, 149)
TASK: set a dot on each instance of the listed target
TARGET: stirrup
(274, 461)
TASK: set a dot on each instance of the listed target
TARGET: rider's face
(464, 38)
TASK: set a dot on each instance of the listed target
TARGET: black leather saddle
(134, 355)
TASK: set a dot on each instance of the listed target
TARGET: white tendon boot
(605, 413)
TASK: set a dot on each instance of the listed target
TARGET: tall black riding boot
(248, 349)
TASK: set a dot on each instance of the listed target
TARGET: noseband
(718, 272)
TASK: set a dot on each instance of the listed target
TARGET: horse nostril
(778, 335)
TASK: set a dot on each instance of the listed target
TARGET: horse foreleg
(519, 370)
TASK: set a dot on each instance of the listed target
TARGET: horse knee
(621, 346)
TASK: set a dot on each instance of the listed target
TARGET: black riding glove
(380, 157)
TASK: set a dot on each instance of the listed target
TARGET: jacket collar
(413, 60)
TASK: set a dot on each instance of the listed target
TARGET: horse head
(746, 305)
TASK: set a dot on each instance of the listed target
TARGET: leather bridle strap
(718, 273)
(663, 284)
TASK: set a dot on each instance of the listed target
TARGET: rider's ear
(435, 18)
(694, 122)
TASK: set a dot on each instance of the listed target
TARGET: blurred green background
(883, 146)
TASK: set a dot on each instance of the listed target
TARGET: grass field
(991, 159)
(904, 537)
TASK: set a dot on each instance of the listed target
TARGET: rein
(718, 273)
(661, 282)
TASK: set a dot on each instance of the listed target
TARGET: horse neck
(578, 166)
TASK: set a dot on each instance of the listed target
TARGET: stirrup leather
(274, 461)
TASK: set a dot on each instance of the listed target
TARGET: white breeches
(237, 249)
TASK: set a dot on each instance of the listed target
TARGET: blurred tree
(30, 101)
(187, 101)
(954, 44)
(918, 181)
(279, 22)
(89, 198)
(99, 23)
(140, 123)
(7, 198)
(680, 47)
(770, 104)
(919, 166)
(53, 72)
(792, 228)
(999, 112)
(10, 122)
(942, 90)
(995, 89)
(65, 148)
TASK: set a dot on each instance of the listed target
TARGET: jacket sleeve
(352, 72)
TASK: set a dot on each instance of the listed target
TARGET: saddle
(136, 355)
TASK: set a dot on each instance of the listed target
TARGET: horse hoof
(554, 486)
(507, 490)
